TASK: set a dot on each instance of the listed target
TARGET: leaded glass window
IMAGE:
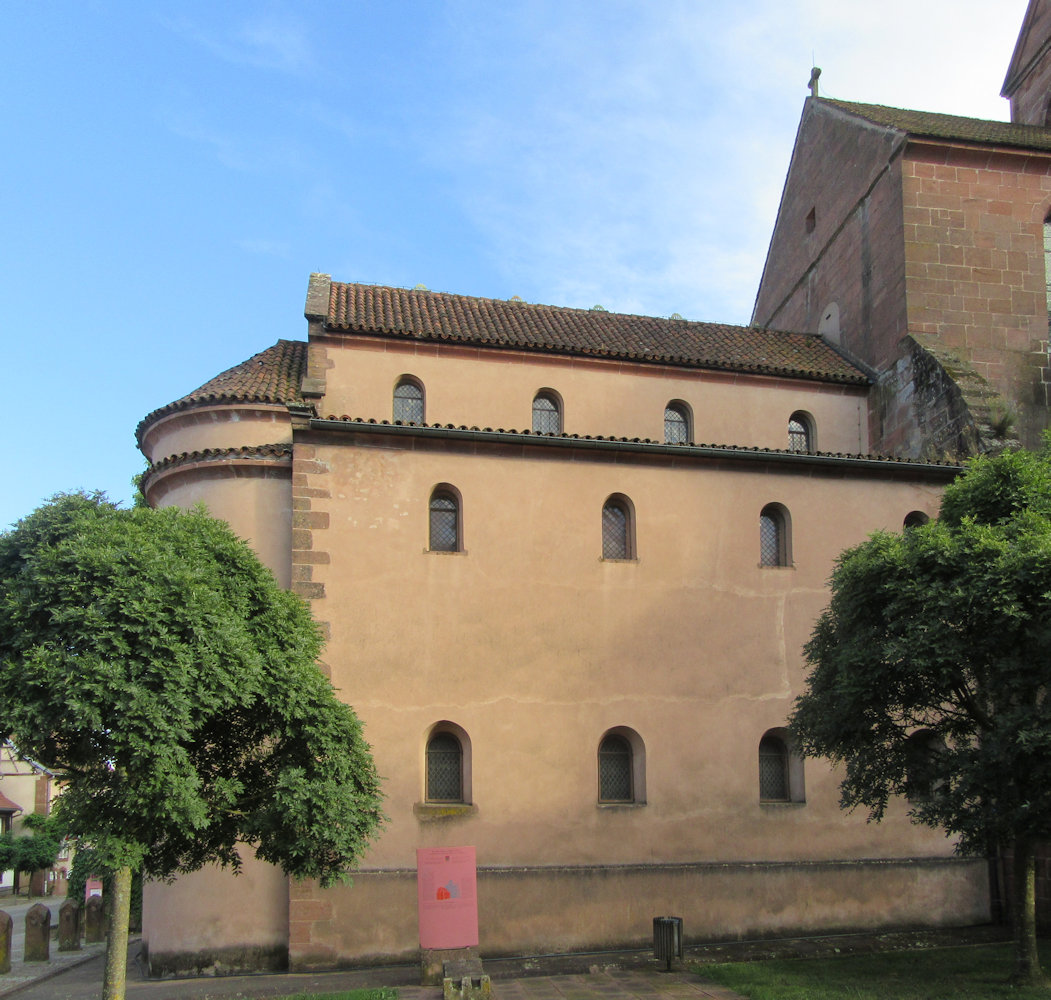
(769, 540)
(445, 523)
(615, 527)
(547, 416)
(615, 770)
(799, 433)
(773, 770)
(915, 518)
(676, 425)
(408, 402)
(444, 768)
(773, 545)
(923, 751)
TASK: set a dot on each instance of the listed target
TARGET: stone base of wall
(215, 962)
(556, 910)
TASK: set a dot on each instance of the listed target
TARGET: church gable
(823, 227)
(1028, 81)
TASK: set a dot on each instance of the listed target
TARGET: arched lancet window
(444, 768)
(677, 428)
(780, 768)
(923, 773)
(618, 528)
(408, 400)
(446, 528)
(774, 538)
(547, 413)
(914, 519)
(800, 432)
(615, 771)
(773, 769)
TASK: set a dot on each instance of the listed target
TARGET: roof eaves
(502, 435)
(946, 128)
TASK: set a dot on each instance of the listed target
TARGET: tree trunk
(115, 982)
(1027, 960)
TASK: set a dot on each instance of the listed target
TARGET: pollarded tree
(151, 658)
(40, 849)
(931, 672)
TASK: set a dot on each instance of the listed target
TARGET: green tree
(931, 672)
(151, 658)
(40, 849)
(8, 852)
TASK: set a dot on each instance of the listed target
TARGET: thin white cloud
(248, 151)
(272, 40)
(636, 153)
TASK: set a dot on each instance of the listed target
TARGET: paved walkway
(625, 976)
(23, 973)
(84, 982)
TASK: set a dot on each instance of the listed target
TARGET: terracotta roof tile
(694, 448)
(953, 127)
(271, 376)
(7, 806)
(424, 315)
(266, 453)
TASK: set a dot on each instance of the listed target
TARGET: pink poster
(446, 892)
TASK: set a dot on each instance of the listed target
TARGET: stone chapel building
(567, 559)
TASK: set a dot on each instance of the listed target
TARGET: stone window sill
(428, 811)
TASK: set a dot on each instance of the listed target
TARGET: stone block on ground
(6, 933)
(38, 934)
(69, 926)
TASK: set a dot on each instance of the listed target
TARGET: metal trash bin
(667, 940)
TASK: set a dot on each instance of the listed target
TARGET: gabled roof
(10, 756)
(436, 316)
(955, 128)
(271, 376)
(1032, 41)
(7, 806)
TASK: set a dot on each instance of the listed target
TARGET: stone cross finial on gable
(815, 72)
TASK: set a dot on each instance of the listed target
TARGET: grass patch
(965, 973)
(382, 994)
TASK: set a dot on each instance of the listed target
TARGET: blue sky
(173, 172)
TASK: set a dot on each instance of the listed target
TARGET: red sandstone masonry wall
(848, 174)
(1029, 106)
(1029, 103)
(974, 262)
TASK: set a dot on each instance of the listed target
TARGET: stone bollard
(94, 927)
(6, 932)
(38, 934)
(68, 926)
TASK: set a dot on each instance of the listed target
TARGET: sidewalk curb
(51, 970)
